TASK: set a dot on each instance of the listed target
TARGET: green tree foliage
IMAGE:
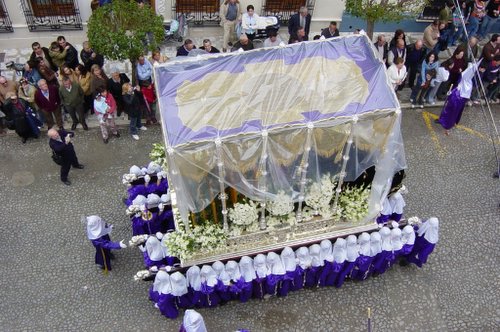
(118, 30)
(383, 10)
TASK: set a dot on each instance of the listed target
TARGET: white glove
(154, 268)
(122, 244)
(67, 139)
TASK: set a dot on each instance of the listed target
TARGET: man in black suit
(301, 19)
(331, 31)
(60, 143)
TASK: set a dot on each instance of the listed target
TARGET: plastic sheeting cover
(252, 113)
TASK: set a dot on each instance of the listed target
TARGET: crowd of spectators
(54, 83)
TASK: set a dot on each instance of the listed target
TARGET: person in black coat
(89, 57)
(133, 102)
(41, 52)
(331, 31)
(60, 143)
(115, 84)
(16, 114)
(71, 54)
(302, 18)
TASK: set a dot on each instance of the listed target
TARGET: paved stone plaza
(50, 283)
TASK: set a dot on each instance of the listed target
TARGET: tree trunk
(370, 25)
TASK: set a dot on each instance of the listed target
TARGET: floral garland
(205, 238)
(353, 203)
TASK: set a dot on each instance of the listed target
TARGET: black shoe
(105, 140)
(79, 166)
(436, 121)
(67, 182)
(73, 126)
(495, 175)
(24, 140)
(111, 256)
(117, 134)
(85, 127)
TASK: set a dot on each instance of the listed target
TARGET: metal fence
(5, 22)
(283, 9)
(43, 15)
(197, 12)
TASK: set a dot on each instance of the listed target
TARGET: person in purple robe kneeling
(364, 260)
(180, 290)
(382, 262)
(455, 103)
(303, 264)
(166, 301)
(352, 254)
(248, 274)
(327, 257)
(314, 272)
(260, 283)
(192, 322)
(289, 262)
(194, 286)
(427, 237)
(98, 233)
(276, 273)
(223, 282)
(208, 283)
(237, 281)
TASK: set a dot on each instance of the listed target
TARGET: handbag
(58, 159)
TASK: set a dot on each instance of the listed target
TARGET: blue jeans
(135, 123)
(473, 26)
(431, 95)
(488, 23)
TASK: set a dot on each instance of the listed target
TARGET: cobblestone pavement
(50, 283)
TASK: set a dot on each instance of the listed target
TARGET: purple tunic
(103, 245)
(167, 306)
(152, 188)
(421, 251)
(194, 297)
(210, 297)
(332, 278)
(312, 276)
(153, 295)
(274, 283)
(396, 217)
(382, 261)
(299, 279)
(326, 272)
(383, 219)
(287, 283)
(452, 110)
(183, 301)
(346, 271)
(246, 291)
(259, 288)
(406, 250)
(223, 291)
(362, 267)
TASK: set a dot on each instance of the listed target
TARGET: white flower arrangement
(138, 240)
(281, 206)
(353, 203)
(157, 154)
(142, 274)
(244, 214)
(319, 195)
(203, 238)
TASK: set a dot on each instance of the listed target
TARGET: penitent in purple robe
(103, 245)
(167, 305)
(421, 251)
(452, 110)
(362, 267)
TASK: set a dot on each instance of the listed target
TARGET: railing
(197, 12)
(43, 15)
(5, 22)
(283, 9)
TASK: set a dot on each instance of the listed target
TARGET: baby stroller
(177, 29)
